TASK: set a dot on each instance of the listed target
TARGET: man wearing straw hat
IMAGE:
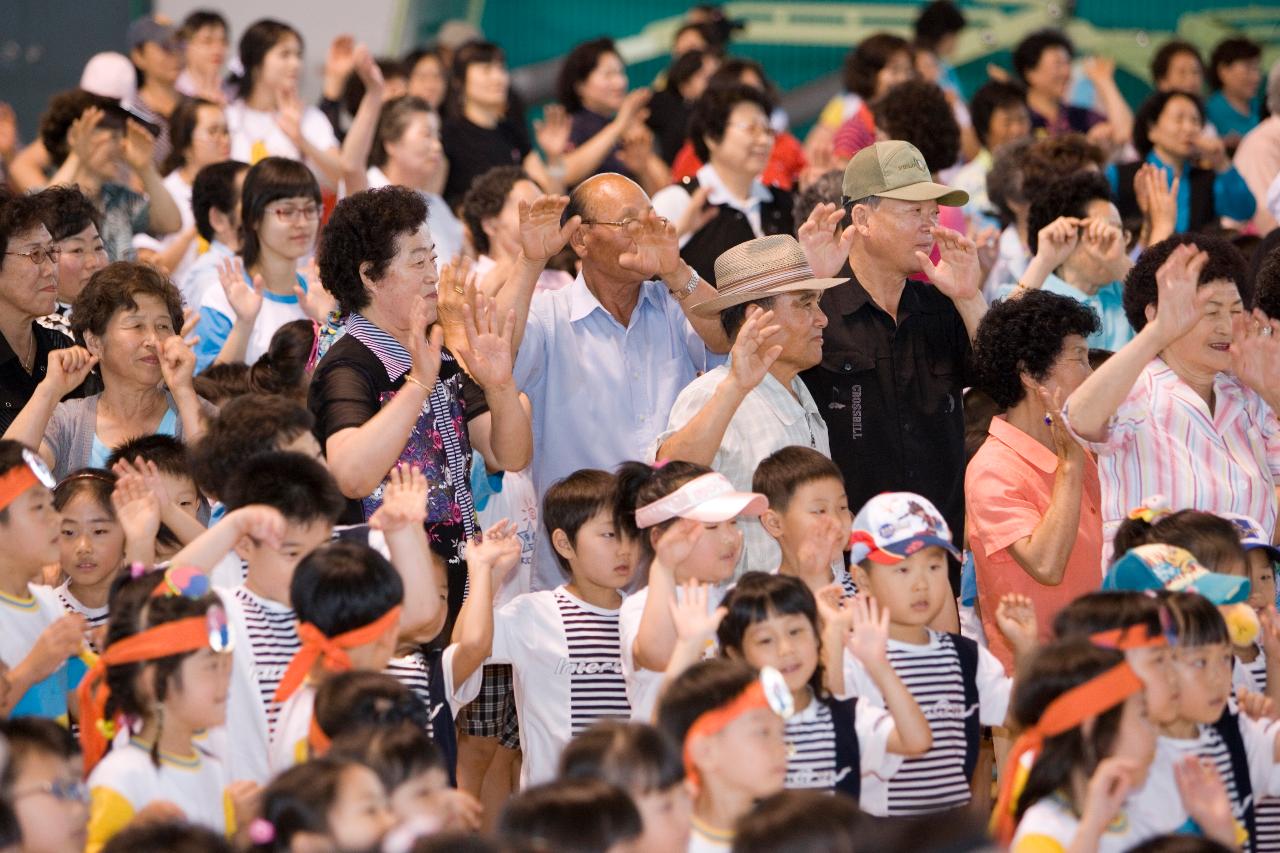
(895, 359)
(734, 416)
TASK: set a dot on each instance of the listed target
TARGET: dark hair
(134, 608)
(640, 484)
(169, 455)
(344, 585)
(936, 21)
(363, 229)
(733, 317)
(1266, 283)
(1027, 53)
(865, 62)
(577, 67)
(116, 287)
(799, 822)
(684, 67)
(30, 736)
(1006, 182)
(758, 596)
(1211, 539)
(1149, 114)
(1165, 55)
(64, 108)
(461, 842)
(353, 88)
(245, 426)
(1025, 335)
(297, 485)
(97, 483)
(1051, 672)
(1107, 610)
(994, 95)
(221, 382)
(917, 111)
(198, 20)
(703, 687)
(268, 180)
(634, 756)
(393, 121)
(214, 188)
(472, 53)
(1053, 157)
(485, 199)
(1225, 264)
(570, 816)
(299, 800)
(709, 117)
(1227, 51)
(182, 129)
(782, 472)
(66, 211)
(1196, 619)
(358, 700)
(826, 189)
(18, 213)
(1069, 195)
(169, 836)
(282, 369)
(573, 501)
(730, 74)
(255, 44)
(397, 751)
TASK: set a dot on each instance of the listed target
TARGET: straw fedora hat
(760, 268)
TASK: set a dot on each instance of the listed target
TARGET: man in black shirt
(896, 352)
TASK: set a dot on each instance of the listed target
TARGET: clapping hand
(541, 234)
(825, 244)
(1255, 354)
(1109, 786)
(423, 349)
(1204, 797)
(404, 500)
(244, 297)
(1181, 301)
(1158, 200)
(488, 343)
(80, 134)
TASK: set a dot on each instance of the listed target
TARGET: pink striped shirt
(1163, 440)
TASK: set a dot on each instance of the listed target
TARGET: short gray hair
(871, 201)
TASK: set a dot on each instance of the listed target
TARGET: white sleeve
(873, 725)
(1260, 748)
(508, 622)
(459, 695)
(317, 130)
(993, 689)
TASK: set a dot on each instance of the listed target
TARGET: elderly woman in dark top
(127, 322)
(388, 392)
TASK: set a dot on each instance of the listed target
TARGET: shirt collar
(395, 359)
(583, 303)
(789, 408)
(851, 296)
(718, 193)
(1023, 445)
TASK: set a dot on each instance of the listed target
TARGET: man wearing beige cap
(895, 358)
(735, 415)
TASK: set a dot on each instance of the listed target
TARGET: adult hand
(456, 279)
(289, 115)
(404, 500)
(366, 67)
(1255, 353)
(1158, 201)
(338, 65)
(1106, 243)
(957, 273)
(632, 107)
(177, 363)
(697, 215)
(80, 134)
(656, 252)
(487, 351)
(1181, 300)
(541, 234)
(1016, 619)
(66, 369)
(139, 147)
(637, 143)
(987, 239)
(1211, 151)
(424, 349)
(754, 350)
(1067, 448)
(244, 297)
(552, 131)
(1099, 69)
(315, 300)
(825, 244)
(8, 131)
(1057, 240)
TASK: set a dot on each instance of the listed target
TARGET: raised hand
(637, 143)
(1016, 619)
(836, 618)
(1255, 705)
(261, 523)
(552, 131)
(541, 234)
(139, 147)
(1099, 68)
(868, 637)
(822, 546)
(451, 293)
(137, 508)
(424, 350)
(656, 248)
(177, 362)
(1255, 353)
(678, 541)
(80, 134)
(1057, 240)
(487, 351)
(1181, 301)
(289, 115)
(244, 297)
(1068, 449)
(1105, 242)
(825, 244)
(66, 369)
(633, 105)
(366, 68)
(339, 62)
(315, 300)
(957, 273)
(57, 642)
(697, 215)
(1211, 152)
(754, 350)
(8, 131)
(404, 500)
(691, 612)
(1110, 784)
(496, 552)
(1158, 200)
(1269, 633)
(1204, 797)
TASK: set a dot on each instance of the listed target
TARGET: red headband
(332, 651)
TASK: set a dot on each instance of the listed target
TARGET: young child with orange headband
(161, 680)
(38, 642)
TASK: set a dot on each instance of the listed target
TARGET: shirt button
(847, 367)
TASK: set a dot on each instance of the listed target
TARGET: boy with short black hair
(163, 462)
(808, 515)
(246, 426)
(42, 780)
(39, 643)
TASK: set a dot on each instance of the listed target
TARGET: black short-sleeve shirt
(891, 395)
(17, 386)
(473, 150)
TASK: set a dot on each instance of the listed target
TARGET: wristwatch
(682, 295)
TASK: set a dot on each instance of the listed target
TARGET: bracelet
(694, 281)
(408, 377)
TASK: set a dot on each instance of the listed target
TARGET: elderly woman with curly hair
(1031, 493)
(127, 322)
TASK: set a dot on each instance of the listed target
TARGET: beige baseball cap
(896, 169)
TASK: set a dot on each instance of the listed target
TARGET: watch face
(777, 693)
(41, 470)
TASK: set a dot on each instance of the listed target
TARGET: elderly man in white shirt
(732, 417)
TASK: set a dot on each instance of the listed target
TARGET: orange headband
(1098, 694)
(317, 739)
(14, 482)
(171, 638)
(715, 720)
(331, 651)
(1132, 637)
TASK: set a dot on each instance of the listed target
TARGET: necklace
(28, 361)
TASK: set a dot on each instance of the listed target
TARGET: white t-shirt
(811, 742)
(255, 135)
(22, 621)
(565, 657)
(1050, 826)
(289, 742)
(446, 230)
(644, 685)
(934, 781)
(203, 274)
(180, 190)
(217, 317)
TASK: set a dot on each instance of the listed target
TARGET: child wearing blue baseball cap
(900, 544)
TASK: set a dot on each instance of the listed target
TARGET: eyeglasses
(40, 254)
(621, 224)
(290, 215)
(752, 128)
(67, 792)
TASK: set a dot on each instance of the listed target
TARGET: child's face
(785, 642)
(665, 815)
(913, 590)
(1136, 736)
(809, 503)
(416, 796)
(272, 568)
(360, 815)
(50, 822)
(92, 542)
(599, 554)
(197, 694)
(1155, 668)
(32, 532)
(183, 492)
(1204, 681)
(1262, 580)
(750, 754)
(715, 554)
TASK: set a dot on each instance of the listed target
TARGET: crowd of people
(396, 473)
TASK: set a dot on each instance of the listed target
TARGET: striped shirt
(596, 689)
(811, 746)
(273, 641)
(1163, 440)
(414, 671)
(95, 618)
(1213, 748)
(1267, 811)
